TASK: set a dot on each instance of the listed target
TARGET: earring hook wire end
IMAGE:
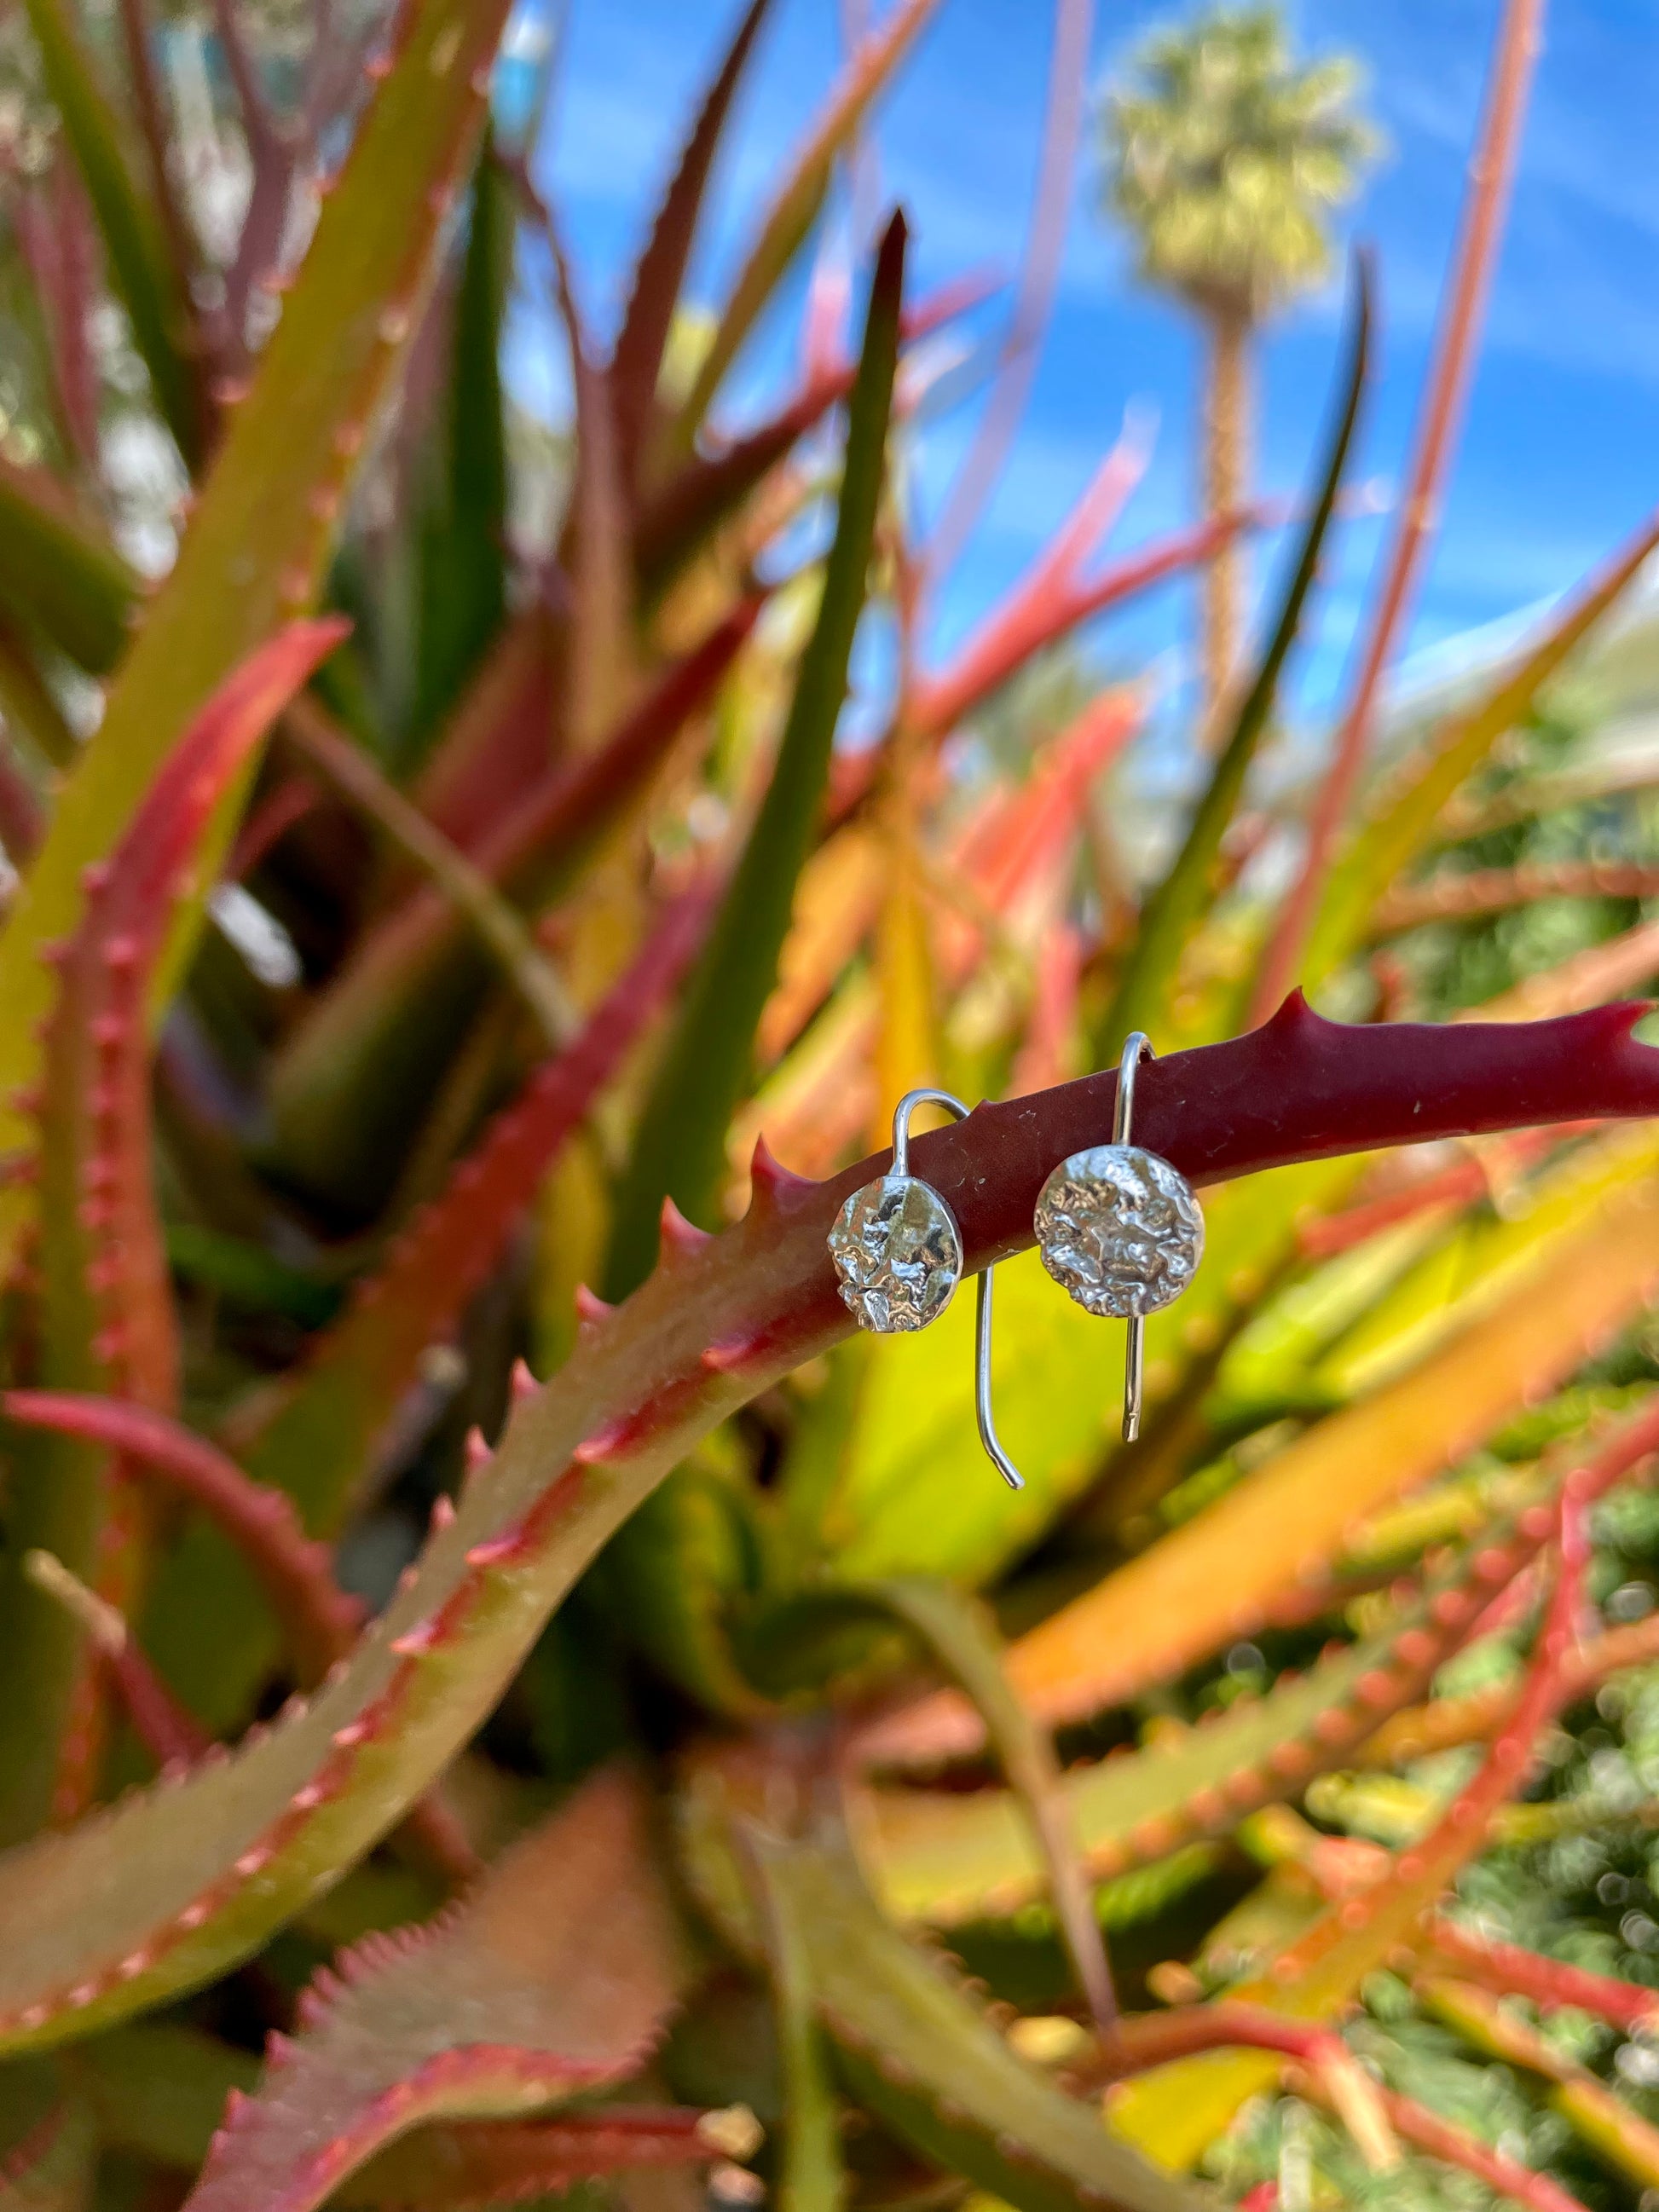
(1136, 1047)
(983, 1415)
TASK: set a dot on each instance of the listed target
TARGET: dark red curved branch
(1298, 1088)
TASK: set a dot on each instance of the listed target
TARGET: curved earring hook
(1136, 1047)
(988, 1427)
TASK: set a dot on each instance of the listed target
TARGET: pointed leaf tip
(769, 1179)
(591, 1308)
(680, 1235)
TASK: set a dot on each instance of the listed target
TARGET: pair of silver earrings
(1118, 1228)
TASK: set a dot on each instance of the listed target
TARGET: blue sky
(1561, 455)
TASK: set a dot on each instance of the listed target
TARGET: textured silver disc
(1120, 1228)
(898, 1252)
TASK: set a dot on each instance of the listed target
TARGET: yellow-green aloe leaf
(257, 544)
(1405, 812)
(913, 1493)
(1212, 1577)
(1476, 1263)
(789, 220)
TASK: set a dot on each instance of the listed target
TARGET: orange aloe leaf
(1181, 2107)
(1214, 1577)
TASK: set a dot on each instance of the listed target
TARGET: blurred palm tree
(1225, 155)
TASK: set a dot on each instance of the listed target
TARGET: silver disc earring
(1120, 1229)
(898, 1259)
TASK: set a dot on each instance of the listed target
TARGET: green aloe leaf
(152, 291)
(915, 2050)
(1177, 907)
(679, 1151)
(58, 582)
(958, 1632)
(463, 549)
(813, 2175)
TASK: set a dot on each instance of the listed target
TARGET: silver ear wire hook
(898, 1256)
(983, 1413)
(1136, 1047)
(1119, 1228)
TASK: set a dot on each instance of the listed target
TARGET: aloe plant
(468, 1733)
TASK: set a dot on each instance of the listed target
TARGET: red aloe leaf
(1551, 1984)
(98, 1048)
(295, 1571)
(1418, 1730)
(327, 1084)
(454, 2168)
(636, 358)
(555, 1977)
(494, 748)
(1322, 1968)
(679, 515)
(1417, 516)
(108, 1316)
(1044, 608)
(1325, 2072)
(322, 1430)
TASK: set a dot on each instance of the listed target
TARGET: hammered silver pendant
(898, 1253)
(1120, 1229)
